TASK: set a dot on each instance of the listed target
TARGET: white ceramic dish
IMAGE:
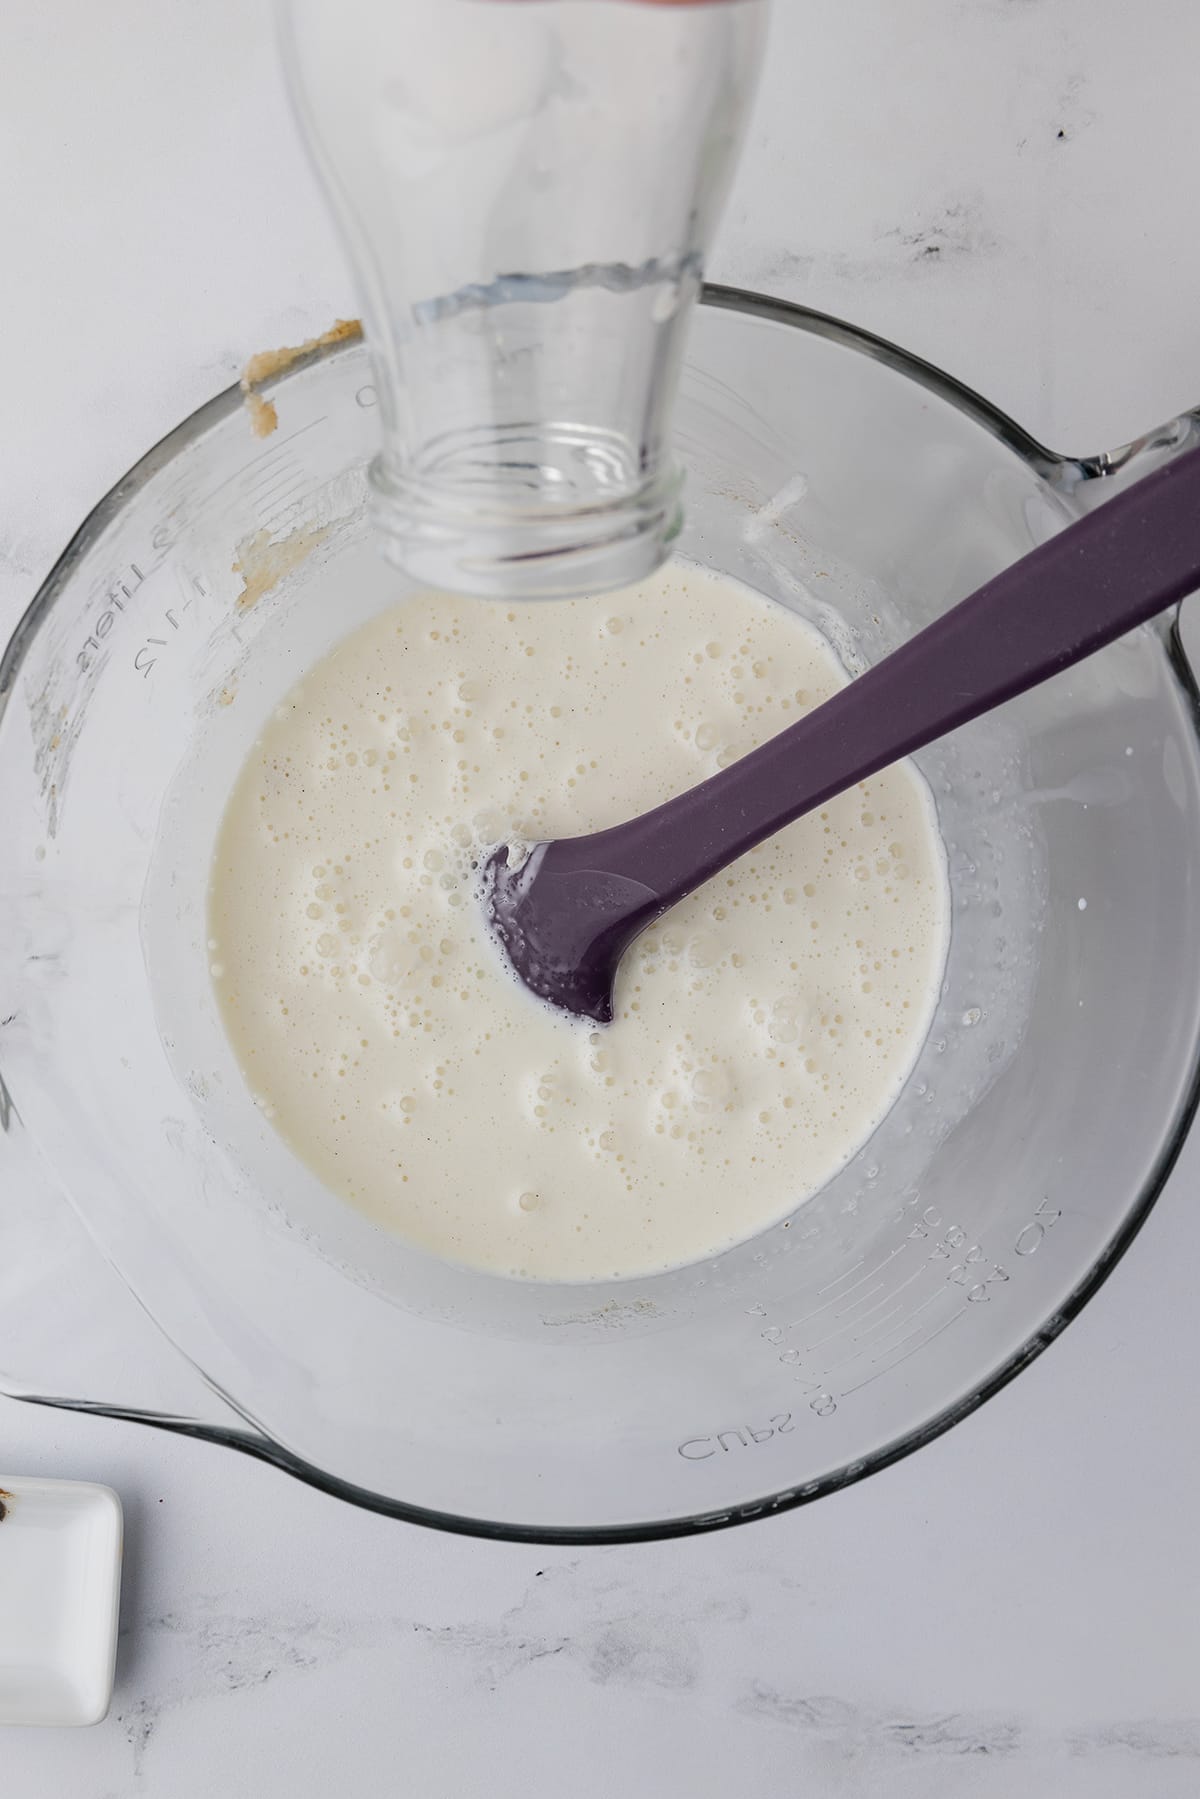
(60, 1586)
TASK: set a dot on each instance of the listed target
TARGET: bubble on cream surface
(763, 1027)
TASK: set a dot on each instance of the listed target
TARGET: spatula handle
(1136, 555)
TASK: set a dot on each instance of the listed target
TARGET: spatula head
(564, 928)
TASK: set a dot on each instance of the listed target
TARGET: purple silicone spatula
(567, 913)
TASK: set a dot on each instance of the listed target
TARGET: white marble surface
(1006, 186)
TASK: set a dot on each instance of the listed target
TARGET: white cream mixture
(762, 1029)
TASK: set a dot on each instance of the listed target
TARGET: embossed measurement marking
(741, 1436)
(279, 487)
(281, 447)
(838, 1279)
(893, 1361)
(146, 657)
(121, 589)
(276, 482)
(1032, 1235)
(868, 1323)
(185, 508)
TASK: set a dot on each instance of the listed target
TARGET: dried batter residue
(264, 415)
(267, 365)
(263, 564)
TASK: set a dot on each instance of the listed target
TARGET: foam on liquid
(763, 1028)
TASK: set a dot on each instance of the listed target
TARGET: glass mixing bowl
(866, 491)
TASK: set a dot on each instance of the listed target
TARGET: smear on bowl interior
(763, 1029)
